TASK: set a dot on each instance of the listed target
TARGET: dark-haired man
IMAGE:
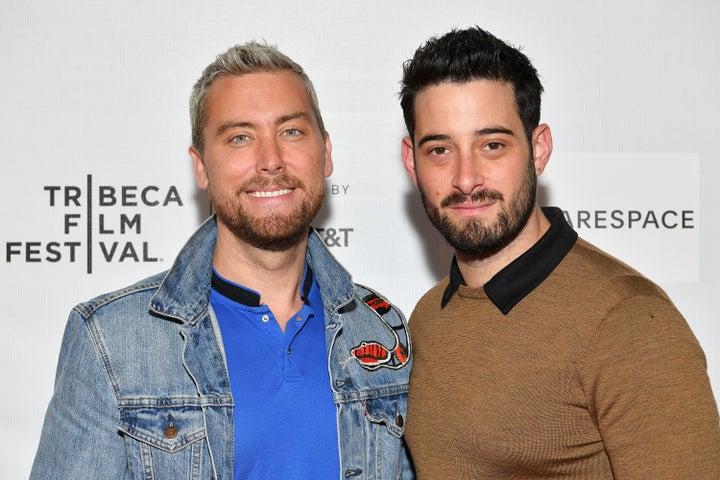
(539, 356)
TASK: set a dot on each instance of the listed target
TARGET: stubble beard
(475, 236)
(274, 232)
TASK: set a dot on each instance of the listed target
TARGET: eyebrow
(230, 125)
(293, 116)
(477, 133)
(432, 138)
(280, 120)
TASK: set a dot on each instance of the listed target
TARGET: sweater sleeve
(650, 395)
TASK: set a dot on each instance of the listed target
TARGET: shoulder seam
(88, 308)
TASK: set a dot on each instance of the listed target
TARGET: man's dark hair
(462, 56)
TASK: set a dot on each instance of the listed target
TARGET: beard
(474, 236)
(275, 232)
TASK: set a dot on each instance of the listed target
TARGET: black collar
(250, 298)
(525, 273)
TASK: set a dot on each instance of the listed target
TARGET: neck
(275, 275)
(478, 269)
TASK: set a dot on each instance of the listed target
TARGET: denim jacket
(142, 389)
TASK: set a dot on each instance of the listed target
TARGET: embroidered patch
(379, 304)
(373, 355)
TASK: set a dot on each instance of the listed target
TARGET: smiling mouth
(269, 194)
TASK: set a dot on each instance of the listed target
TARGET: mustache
(281, 181)
(479, 196)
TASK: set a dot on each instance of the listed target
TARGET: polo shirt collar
(525, 273)
(251, 298)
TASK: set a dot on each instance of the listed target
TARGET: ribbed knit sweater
(591, 373)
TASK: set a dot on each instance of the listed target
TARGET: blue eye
(239, 138)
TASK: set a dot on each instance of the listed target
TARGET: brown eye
(438, 151)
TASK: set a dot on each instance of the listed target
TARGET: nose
(270, 157)
(468, 175)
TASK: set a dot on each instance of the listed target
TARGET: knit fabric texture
(594, 374)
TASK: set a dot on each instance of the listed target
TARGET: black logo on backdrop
(631, 219)
(90, 228)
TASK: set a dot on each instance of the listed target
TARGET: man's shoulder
(375, 300)
(140, 291)
(589, 264)
(380, 339)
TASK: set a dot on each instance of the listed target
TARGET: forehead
(478, 101)
(256, 95)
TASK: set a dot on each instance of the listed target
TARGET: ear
(201, 176)
(542, 147)
(408, 158)
(328, 156)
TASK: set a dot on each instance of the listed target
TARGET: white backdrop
(98, 188)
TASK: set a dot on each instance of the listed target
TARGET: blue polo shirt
(285, 417)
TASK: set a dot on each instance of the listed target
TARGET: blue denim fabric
(142, 389)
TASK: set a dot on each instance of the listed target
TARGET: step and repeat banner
(98, 187)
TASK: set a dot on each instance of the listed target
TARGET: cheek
(230, 170)
(520, 176)
(431, 189)
(433, 182)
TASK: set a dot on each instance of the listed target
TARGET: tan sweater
(592, 375)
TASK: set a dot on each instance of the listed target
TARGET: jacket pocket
(388, 411)
(384, 426)
(165, 442)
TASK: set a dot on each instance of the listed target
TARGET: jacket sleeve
(408, 471)
(650, 395)
(80, 437)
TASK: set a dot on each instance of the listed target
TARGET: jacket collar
(511, 284)
(184, 293)
(336, 286)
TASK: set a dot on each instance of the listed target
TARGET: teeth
(274, 193)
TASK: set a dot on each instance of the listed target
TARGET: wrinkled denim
(142, 389)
